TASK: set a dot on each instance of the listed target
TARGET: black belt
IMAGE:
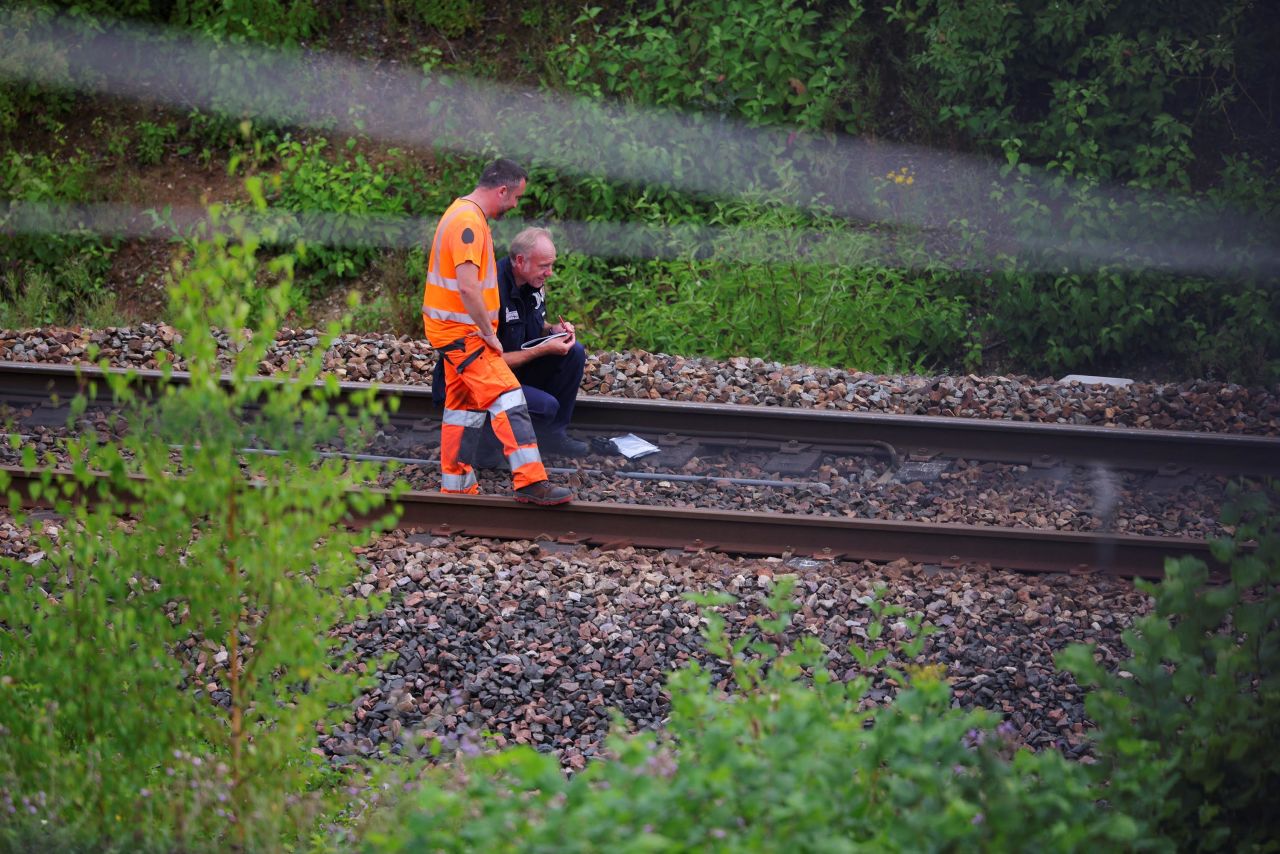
(459, 344)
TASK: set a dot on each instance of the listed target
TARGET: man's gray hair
(523, 243)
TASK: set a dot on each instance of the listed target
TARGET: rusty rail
(748, 533)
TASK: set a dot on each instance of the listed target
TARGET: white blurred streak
(1106, 499)
(708, 155)
(604, 239)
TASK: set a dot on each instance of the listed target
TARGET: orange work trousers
(478, 387)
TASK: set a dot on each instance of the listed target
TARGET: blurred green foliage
(166, 658)
(1186, 723)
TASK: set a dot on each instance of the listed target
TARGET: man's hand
(556, 346)
(563, 326)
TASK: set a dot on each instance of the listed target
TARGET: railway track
(793, 441)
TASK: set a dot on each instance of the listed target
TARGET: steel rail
(1027, 443)
(751, 533)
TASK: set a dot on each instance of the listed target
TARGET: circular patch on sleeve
(468, 236)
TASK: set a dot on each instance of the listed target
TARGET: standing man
(550, 373)
(460, 313)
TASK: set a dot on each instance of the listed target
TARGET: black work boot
(543, 494)
(563, 445)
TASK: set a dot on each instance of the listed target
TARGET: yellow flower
(890, 175)
(910, 179)
(922, 674)
(897, 179)
(903, 170)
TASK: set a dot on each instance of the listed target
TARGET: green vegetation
(51, 278)
(334, 198)
(787, 312)
(790, 758)
(163, 681)
(164, 678)
(1185, 724)
(1105, 90)
(152, 139)
(766, 62)
(1067, 95)
(986, 65)
(453, 18)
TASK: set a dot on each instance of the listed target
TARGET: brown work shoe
(543, 494)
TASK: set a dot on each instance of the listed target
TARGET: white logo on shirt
(538, 299)
(513, 315)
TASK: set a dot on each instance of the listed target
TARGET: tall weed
(67, 268)
(32, 300)
(166, 660)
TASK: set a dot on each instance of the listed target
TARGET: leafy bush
(273, 21)
(1186, 724)
(789, 761)
(164, 676)
(335, 200)
(1097, 89)
(152, 139)
(453, 18)
(1111, 290)
(794, 62)
(25, 29)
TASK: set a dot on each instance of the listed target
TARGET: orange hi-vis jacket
(462, 235)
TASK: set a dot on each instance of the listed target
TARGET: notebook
(529, 345)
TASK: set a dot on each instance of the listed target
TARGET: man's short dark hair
(502, 173)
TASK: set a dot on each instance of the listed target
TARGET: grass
(31, 300)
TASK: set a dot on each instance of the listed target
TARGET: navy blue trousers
(551, 386)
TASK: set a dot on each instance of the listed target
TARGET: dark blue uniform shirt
(524, 310)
